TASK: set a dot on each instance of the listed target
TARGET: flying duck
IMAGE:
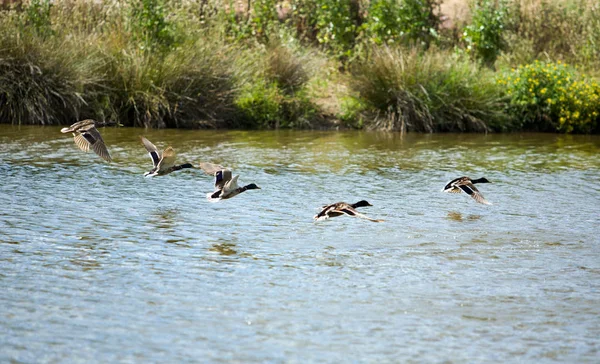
(163, 163)
(226, 186)
(86, 135)
(466, 184)
(341, 208)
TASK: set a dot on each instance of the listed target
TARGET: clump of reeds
(42, 80)
(407, 90)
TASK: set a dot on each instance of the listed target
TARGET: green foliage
(149, 23)
(336, 24)
(406, 21)
(484, 36)
(260, 21)
(259, 103)
(552, 96)
(567, 30)
(37, 17)
(384, 24)
(433, 91)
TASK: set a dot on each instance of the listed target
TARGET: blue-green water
(99, 264)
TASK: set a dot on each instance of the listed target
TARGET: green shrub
(36, 17)
(551, 96)
(149, 24)
(260, 104)
(432, 91)
(336, 24)
(484, 36)
(402, 21)
(260, 21)
(567, 30)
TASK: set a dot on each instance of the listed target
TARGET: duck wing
(81, 142)
(167, 161)
(211, 168)
(92, 135)
(452, 186)
(222, 178)
(349, 210)
(230, 186)
(474, 192)
(152, 150)
(328, 211)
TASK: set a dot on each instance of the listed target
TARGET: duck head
(361, 203)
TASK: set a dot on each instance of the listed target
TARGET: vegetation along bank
(403, 65)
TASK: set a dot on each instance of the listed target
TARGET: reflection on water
(457, 216)
(164, 218)
(223, 249)
(98, 263)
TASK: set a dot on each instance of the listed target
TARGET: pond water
(99, 264)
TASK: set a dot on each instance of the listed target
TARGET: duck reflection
(457, 216)
(223, 248)
(165, 219)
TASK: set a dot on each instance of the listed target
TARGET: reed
(406, 90)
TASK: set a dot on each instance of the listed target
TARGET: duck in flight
(163, 163)
(466, 184)
(343, 208)
(86, 135)
(226, 186)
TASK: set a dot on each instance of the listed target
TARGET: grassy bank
(318, 64)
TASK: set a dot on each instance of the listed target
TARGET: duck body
(226, 185)
(466, 184)
(86, 136)
(343, 208)
(164, 163)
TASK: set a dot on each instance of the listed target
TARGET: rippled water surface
(99, 264)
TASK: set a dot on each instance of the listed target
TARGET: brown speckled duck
(466, 184)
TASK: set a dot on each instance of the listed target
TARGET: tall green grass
(220, 64)
(407, 90)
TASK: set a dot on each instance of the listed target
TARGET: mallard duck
(86, 135)
(467, 185)
(341, 208)
(163, 163)
(226, 186)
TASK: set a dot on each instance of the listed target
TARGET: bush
(407, 22)
(260, 104)
(550, 96)
(149, 24)
(567, 30)
(43, 81)
(433, 91)
(484, 36)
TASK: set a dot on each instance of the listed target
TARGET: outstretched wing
(152, 150)
(168, 159)
(474, 192)
(222, 178)
(348, 210)
(211, 168)
(230, 185)
(81, 142)
(92, 135)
